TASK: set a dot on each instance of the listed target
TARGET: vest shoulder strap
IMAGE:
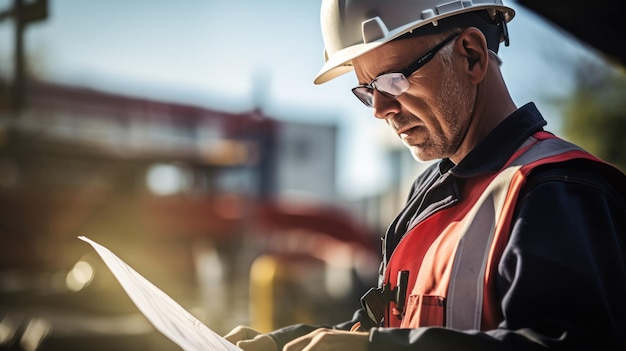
(464, 305)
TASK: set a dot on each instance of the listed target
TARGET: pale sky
(234, 55)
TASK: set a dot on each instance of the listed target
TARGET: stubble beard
(456, 104)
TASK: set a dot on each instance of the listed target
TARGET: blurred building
(200, 202)
(307, 158)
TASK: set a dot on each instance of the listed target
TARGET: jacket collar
(494, 151)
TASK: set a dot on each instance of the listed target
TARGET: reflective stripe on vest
(462, 256)
(464, 302)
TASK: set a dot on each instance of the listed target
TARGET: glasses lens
(364, 94)
(393, 84)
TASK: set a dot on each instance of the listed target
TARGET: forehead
(389, 57)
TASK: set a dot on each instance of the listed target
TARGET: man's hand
(330, 340)
(241, 333)
(249, 339)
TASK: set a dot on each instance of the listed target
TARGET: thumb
(241, 332)
(261, 342)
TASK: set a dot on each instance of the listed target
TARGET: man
(515, 239)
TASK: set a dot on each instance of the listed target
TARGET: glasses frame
(365, 92)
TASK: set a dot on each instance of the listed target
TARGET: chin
(421, 156)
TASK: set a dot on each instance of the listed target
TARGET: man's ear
(473, 47)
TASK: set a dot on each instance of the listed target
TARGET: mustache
(402, 122)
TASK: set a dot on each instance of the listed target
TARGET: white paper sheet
(162, 311)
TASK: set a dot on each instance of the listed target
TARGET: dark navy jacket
(562, 276)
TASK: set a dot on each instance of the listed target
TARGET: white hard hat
(351, 28)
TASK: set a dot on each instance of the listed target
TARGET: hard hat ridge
(492, 26)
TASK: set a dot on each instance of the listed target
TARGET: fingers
(330, 340)
(301, 343)
(261, 342)
(241, 332)
(249, 339)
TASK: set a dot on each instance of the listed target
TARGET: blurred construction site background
(261, 204)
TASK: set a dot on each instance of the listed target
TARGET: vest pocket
(424, 311)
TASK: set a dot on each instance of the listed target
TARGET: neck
(493, 105)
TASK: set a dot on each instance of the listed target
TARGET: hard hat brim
(341, 62)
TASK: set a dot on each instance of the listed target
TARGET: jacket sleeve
(562, 277)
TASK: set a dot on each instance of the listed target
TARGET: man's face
(432, 116)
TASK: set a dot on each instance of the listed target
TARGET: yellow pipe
(263, 276)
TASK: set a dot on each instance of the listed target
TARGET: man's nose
(385, 106)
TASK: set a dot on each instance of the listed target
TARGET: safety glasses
(396, 83)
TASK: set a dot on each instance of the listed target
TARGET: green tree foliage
(595, 116)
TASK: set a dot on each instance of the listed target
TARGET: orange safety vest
(452, 256)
